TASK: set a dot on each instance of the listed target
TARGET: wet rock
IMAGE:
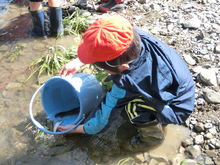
(187, 142)
(39, 47)
(4, 48)
(105, 158)
(153, 162)
(13, 85)
(21, 78)
(158, 157)
(193, 151)
(177, 159)
(42, 79)
(139, 158)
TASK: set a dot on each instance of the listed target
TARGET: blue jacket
(160, 76)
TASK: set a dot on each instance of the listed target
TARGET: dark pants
(143, 117)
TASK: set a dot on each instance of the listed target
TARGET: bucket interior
(60, 101)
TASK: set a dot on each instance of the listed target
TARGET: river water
(20, 141)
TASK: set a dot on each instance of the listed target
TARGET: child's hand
(64, 128)
(78, 129)
(71, 68)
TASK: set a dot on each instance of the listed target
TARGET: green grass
(51, 63)
(16, 51)
(101, 75)
(75, 23)
(123, 161)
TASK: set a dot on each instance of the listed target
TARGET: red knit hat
(106, 39)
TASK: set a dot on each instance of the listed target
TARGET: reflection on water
(20, 141)
(4, 6)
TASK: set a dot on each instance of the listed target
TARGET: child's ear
(123, 67)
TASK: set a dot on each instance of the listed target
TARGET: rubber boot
(112, 5)
(150, 134)
(56, 25)
(38, 23)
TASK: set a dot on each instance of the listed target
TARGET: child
(152, 84)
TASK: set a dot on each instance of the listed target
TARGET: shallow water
(20, 141)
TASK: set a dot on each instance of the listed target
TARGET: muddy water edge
(20, 141)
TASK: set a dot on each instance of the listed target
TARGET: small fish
(67, 113)
(56, 126)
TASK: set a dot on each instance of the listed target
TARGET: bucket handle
(39, 126)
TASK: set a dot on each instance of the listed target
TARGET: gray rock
(217, 48)
(187, 142)
(199, 127)
(208, 136)
(194, 151)
(208, 161)
(211, 153)
(211, 96)
(189, 60)
(208, 76)
(199, 139)
(193, 23)
(208, 125)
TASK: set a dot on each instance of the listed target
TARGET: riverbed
(21, 142)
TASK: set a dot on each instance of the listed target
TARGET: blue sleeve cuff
(102, 115)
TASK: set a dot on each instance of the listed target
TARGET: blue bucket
(67, 100)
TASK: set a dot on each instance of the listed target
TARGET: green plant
(51, 63)
(122, 161)
(101, 75)
(75, 23)
(16, 51)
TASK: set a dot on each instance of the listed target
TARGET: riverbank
(190, 27)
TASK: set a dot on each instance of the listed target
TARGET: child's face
(121, 68)
(110, 72)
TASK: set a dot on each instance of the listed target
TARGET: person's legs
(54, 3)
(143, 117)
(35, 5)
(35, 8)
(112, 5)
(56, 25)
(150, 133)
